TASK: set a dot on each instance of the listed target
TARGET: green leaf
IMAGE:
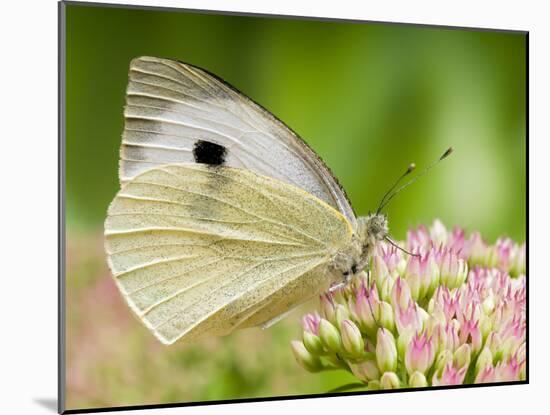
(348, 387)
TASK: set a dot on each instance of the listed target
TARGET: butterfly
(226, 218)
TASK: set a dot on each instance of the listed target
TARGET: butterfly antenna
(409, 170)
(391, 242)
(387, 200)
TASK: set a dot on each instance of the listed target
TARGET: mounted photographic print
(261, 207)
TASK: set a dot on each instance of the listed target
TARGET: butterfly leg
(336, 287)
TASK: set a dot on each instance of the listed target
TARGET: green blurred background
(369, 98)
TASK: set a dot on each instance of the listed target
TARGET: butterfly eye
(354, 268)
(345, 274)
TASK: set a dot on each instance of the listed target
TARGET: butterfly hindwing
(200, 250)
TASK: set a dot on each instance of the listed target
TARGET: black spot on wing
(206, 152)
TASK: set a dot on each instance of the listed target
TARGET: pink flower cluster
(454, 314)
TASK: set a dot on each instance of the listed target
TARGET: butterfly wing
(199, 250)
(171, 106)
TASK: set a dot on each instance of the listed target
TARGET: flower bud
(438, 233)
(509, 347)
(452, 338)
(462, 356)
(408, 318)
(351, 339)
(310, 322)
(403, 341)
(422, 275)
(366, 370)
(401, 266)
(379, 271)
(312, 343)
(365, 310)
(385, 291)
(486, 375)
(420, 354)
(493, 342)
(508, 370)
(418, 380)
(401, 294)
(414, 277)
(453, 270)
(485, 325)
(521, 353)
(393, 258)
(434, 276)
(423, 314)
(327, 307)
(329, 336)
(443, 358)
(389, 380)
(457, 240)
(449, 376)
(485, 359)
(386, 352)
(386, 315)
(518, 263)
(469, 331)
(491, 257)
(439, 336)
(504, 248)
(478, 248)
(339, 295)
(341, 314)
(305, 359)
(488, 304)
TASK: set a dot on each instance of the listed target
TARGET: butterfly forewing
(199, 250)
(171, 106)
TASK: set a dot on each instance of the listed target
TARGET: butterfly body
(354, 258)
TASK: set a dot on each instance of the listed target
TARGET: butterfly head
(353, 259)
(373, 227)
(371, 230)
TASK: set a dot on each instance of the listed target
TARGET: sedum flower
(420, 353)
(351, 339)
(312, 342)
(453, 268)
(462, 356)
(454, 314)
(386, 351)
(327, 307)
(304, 358)
(389, 380)
(330, 336)
(486, 375)
(450, 375)
(484, 360)
(408, 318)
(381, 270)
(417, 380)
(385, 315)
(422, 275)
(366, 370)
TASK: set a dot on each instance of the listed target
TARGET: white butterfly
(226, 219)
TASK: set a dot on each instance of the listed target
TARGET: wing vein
(152, 264)
(250, 288)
